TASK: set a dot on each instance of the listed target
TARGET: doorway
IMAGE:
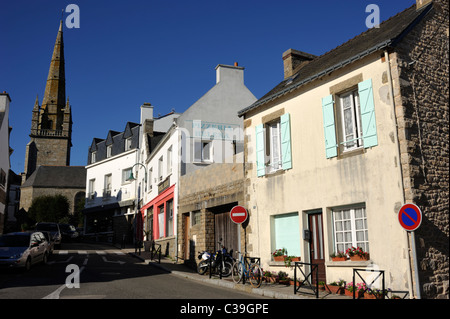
(225, 229)
(315, 227)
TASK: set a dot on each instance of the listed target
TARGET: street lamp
(132, 178)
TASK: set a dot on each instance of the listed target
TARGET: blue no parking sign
(410, 217)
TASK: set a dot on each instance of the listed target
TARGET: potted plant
(279, 254)
(321, 285)
(283, 278)
(357, 254)
(339, 256)
(358, 289)
(268, 277)
(289, 259)
(336, 287)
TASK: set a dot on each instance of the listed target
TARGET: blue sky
(126, 53)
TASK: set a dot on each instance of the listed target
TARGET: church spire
(54, 100)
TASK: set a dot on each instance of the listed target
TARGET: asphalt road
(91, 271)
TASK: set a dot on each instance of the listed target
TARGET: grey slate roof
(57, 177)
(387, 35)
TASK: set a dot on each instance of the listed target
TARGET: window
(169, 218)
(128, 144)
(273, 145)
(126, 175)
(161, 221)
(108, 186)
(169, 160)
(108, 151)
(2, 178)
(195, 218)
(160, 168)
(286, 233)
(93, 157)
(350, 229)
(351, 120)
(150, 178)
(203, 151)
(355, 110)
(91, 188)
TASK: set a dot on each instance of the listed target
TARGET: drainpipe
(406, 237)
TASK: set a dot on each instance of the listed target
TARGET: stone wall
(203, 189)
(421, 91)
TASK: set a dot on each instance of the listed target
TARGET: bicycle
(252, 272)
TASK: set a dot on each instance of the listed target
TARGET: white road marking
(56, 293)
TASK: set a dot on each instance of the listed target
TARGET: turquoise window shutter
(260, 166)
(286, 155)
(329, 126)
(367, 105)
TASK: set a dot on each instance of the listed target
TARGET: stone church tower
(51, 124)
(47, 156)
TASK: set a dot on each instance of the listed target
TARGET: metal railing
(314, 271)
(380, 273)
(156, 252)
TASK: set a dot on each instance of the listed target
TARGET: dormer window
(128, 144)
(93, 157)
(108, 151)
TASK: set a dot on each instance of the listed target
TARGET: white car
(23, 249)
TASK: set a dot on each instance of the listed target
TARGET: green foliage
(49, 208)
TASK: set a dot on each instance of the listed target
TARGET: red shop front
(160, 211)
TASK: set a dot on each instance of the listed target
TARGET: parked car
(22, 250)
(54, 230)
(68, 232)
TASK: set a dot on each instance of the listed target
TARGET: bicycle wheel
(237, 272)
(255, 275)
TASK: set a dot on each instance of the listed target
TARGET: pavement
(268, 290)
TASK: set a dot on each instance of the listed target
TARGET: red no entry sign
(410, 217)
(238, 214)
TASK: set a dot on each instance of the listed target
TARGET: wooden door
(187, 246)
(315, 226)
(225, 229)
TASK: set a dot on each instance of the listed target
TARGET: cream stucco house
(326, 152)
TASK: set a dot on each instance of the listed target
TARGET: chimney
(422, 3)
(294, 60)
(228, 72)
(147, 118)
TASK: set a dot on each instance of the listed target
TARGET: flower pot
(278, 258)
(292, 282)
(338, 258)
(285, 282)
(359, 258)
(337, 290)
(295, 259)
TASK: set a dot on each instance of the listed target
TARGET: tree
(49, 208)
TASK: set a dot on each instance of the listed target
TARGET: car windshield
(48, 227)
(15, 240)
(66, 227)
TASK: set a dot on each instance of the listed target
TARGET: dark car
(53, 229)
(68, 232)
(22, 250)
